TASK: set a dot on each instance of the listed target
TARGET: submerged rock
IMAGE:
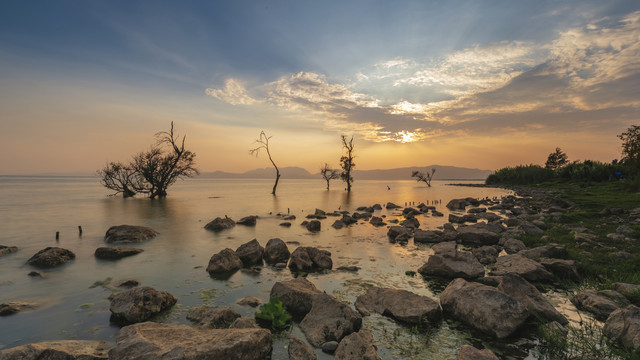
(250, 301)
(50, 257)
(170, 341)
(248, 220)
(623, 325)
(329, 320)
(401, 305)
(59, 350)
(4, 250)
(13, 307)
(309, 259)
(139, 304)
(314, 225)
(219, 224)
(224, 263)
(459, 264)
(219, 318)
(250, 253)
(276, 251)
(357, 346)
(115, 253)
(296, 295)
(124, 234)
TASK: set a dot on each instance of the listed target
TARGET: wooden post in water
(79, 231)
(57, 235)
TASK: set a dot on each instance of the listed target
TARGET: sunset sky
(481, 84)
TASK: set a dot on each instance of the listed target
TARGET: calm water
(33, 209)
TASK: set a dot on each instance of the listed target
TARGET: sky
(479, 83)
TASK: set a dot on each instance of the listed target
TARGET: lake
(74, 295)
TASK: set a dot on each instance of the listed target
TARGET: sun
(405, 136)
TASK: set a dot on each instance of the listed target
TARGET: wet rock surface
(51, 257)
(357, 346)
(218, 318)
(299, 350)
(296, 295)
(401, 305)
(310, 259)
(59, 350)
(115, 253)
(276, 251)
(224, 263)
(125, 234)
(250, 253)
(4, 250)
(329, 320)
(219, 224)
(14, 307)
(139, 304)
(460, 264)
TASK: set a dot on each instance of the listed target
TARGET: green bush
(520, 175)
(274, 315)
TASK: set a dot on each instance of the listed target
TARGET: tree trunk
(276, 184)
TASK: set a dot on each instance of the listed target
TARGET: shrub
(273, 315)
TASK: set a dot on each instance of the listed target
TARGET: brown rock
(13, 307)
(600, 303)
(623, 325)
(250, 253)
(461, 264)
(401, 305)
(520, 265)
(223, 263)
(59, 350)
(219, 318)
(219, 224)
(357, 346)
(123, 234)
(296, 295)
(114, 253)
(309, 259)
(139, 304)
(329, 320)
(299, 350)
(527, 294)
(276, 251)
(50, 257)
(468, 352)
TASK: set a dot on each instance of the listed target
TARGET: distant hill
(442, 173)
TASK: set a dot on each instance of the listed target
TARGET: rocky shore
(495, 285)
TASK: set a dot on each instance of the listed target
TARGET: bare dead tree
(263, 141)
(121, 178)
(329, 174)
(346, 162)
(423, 176)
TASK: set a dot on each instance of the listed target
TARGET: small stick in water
(79, 231)
(57, 235)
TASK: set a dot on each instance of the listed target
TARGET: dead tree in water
(120, 178)
(424, 177)
(263, 140)
(329, 174)
(346, 162)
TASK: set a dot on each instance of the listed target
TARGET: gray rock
(250, 301)
(425, 236)
(314, 225)
(276, 251)
(548, 251)
(520, 265)
(13, 307)
(310, 259)
(51, 257)
(299, 350)
(4, 250)
(566, 269)
(483, 307)
(338, 224)
(600, 303)
(219, 224)
(530, 229)
(248, 220)
(623, 325)
(401, 305)
(477, 236)
(624, 230)
(627, 290)
(125, 234)
(250, 253)
(329, 319)
(395, 231)
(486, 254)
(139, 304)
(115, 253)
(59, 350)
(462, 264)
(527, 294)
(329, 347)
(377, 221)
(296, 295)
(219, 318)
(151, 341)
(357, 346)
(448, 247)
(224, 263)
(512, 246)
(468, 352)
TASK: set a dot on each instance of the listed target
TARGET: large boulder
(623, 325)
(115, 253)
(395, 232)
(547, 251)
(219, 318)
(447, 247)
(566, 269)
(250, 253)
(468, 352)
(225, 262)
(151, 341)
(314, 225)
(600, 303)
(486, 254)
(527, 294)
(219, 224)
(401, 305)
(329, 320)
(299, 350)
(59, 350)
(296, 295)
(628, 290)
(477, 236)
(309, 259)
(124, 234)
(457, 204)
(4, 250)
(425, 236)
(50, 257)
(139, 304)
(520, 265)
(276, 251)
(483, 307)
(459, 264)
(377, 221)
(248, 220)
(357, 346)
(512, 246)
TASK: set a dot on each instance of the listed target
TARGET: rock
(436, 213)
(124, 234)
(468, 352)
(289, 218)
(448, 247)
(250, 253)
(520, 265)
(329, 347)
(319, 212)
(348, 268)
(627, 290)
(299, 350)
(401, 305)
(59, 350)
(37, 274)
(477, 236)
(219, 224)
(338, 224)
(13, 307)
(4, 250)
(530, 229)
(411, 223)
(50, 257)
(600, 303)
(376, 207)
(623, 255)
(314, 225)
(391, 206)
(624, 230)
(566, 269)
(358, 216)
(329, 319)
(357, 346)
(623, 325)
(425, 236)
(244, 323)
(548, 251)
(115, 253)
(348, 220)
(477, 210)
(150, 341)
(527, 294)
(224, 263)
(248, 220)
(296, 295)
(512, 246)
(461, 264)
(276, 251)
(250, 301)
(486, 254)
(219, 318)
(395, 231)
(309, 259)
(285, 224)
(457, 204)
(128, 284)
(490, 217)
(456, 219)
(483, 307)
(377, 221)
(139, 304)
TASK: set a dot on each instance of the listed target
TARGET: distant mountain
(442, 173)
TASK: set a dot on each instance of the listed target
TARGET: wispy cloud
(233, 93)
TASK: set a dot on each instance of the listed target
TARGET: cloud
(233, 93)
